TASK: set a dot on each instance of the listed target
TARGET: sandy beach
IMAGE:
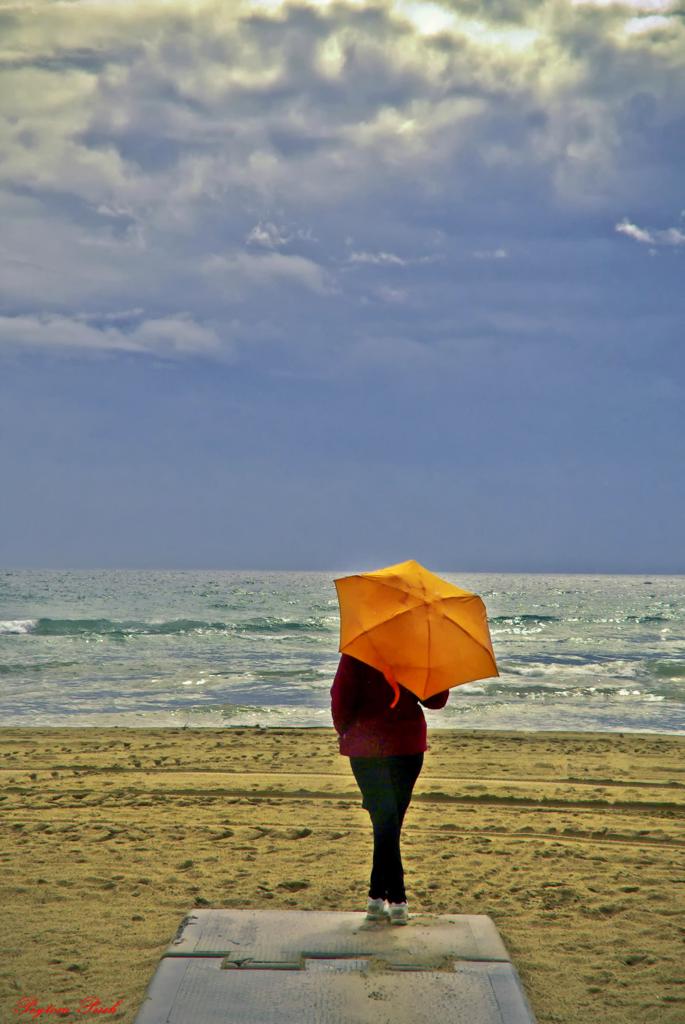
(573, 843)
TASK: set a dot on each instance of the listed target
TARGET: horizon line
(452, 572)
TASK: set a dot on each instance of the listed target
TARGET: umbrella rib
(459, 626)
(389, 617)
(405, 611)
(423, 600)
(428, 651)
(403, 588)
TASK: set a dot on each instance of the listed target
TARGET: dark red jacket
(366, 724)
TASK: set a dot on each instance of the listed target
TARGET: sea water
(228, 648)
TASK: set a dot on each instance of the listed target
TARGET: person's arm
(344, 694)
(437, 701)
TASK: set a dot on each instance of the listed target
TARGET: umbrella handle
(390, 678)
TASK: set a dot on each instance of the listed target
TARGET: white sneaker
(375, 910)
(398, 913)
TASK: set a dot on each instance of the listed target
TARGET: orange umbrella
(415, 627)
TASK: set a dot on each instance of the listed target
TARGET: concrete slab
(278, 937)
(321, 967)
(355, 992)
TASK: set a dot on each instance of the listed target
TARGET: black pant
(386, 784)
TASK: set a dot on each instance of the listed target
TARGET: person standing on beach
(385, 746)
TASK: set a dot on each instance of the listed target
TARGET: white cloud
(490, 254)
(378, 258)
(397, 296)
(635, 5)
(428, 18)
(179, 334)
(116, 316)
(267, 235)
(258, 271)
(638, 26)
(633, 231)
(669, 236)
(172, 335)
(388, 259)
(157, 162)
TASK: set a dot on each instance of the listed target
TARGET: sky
(339, 284)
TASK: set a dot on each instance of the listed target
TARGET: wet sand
(573, 843)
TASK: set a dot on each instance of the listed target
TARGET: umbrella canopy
(415, 627)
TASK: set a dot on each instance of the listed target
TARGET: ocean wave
(516, 631)
(127, 627)
(21, 668)
(18, 626)
(573, 693)
(539, 667)
(276, 624)
(668, 669)
(313, 675)
(516, 620)
(113, 629)
(590, 620)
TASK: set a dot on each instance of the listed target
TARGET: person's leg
(373, 775)
(404, 770)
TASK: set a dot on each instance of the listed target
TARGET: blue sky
(335, 285)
